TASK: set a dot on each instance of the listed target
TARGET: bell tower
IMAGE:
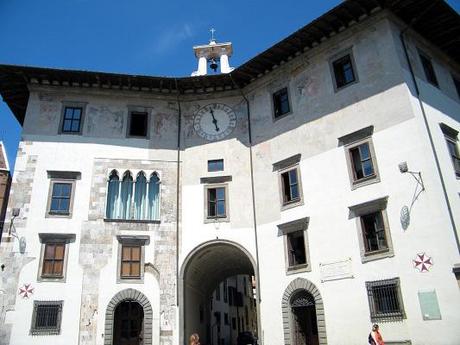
(213, 53)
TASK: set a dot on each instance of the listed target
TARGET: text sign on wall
(336, 270)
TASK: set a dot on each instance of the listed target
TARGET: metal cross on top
(212, 34)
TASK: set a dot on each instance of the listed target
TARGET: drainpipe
(259, 335)
(430, 136)
(177, 190)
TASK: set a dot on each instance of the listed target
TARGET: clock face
(214, 121)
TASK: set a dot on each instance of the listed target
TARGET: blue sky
(138, 36)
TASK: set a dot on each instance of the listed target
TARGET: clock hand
(214, 121)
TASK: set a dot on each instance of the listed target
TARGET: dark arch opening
(214, 302)
(128, 323)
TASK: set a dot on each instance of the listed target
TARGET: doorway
(305, 328)
(128, 324)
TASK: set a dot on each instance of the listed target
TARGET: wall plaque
(336, 270)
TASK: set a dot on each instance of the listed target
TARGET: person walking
(375, 338)
(194, 339)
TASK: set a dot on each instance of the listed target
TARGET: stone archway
(293, 288)
(125, 295)
(204, 266)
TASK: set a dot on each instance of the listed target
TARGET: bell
(213, 65)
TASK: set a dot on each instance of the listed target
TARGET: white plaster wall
(319, 117)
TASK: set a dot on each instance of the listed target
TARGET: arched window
(113, 194)
(140, 197)
(126, 192)
(154, 198)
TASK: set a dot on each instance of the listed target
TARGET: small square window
(46, 318)
(138, 124)
(429, 70)
(215, 165)
(130, 267)
(216, 202)
(281, 102)
(290, 186)
(344, 73)
(72, 120)
(385, 302)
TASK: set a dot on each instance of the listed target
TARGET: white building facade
(327, 167)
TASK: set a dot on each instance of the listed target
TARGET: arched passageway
(218, 294)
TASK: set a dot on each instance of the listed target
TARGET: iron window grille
(46, 318)
(385, 301)
(429, 70)
(343, 71)
(72, 120)
(281, 102)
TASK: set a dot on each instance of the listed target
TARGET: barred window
(46, 318)
(385, 302)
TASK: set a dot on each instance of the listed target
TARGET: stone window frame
(290, 227)
(46, 331)
(388, 317)
(451, 136)
(353, 140)
(357, 211)
(335, 58)
(138, 109)
(72, 104)
(141, 241)
(69, 177)
(284, 87)
(216, 182)
(281, 167)
(46, 238)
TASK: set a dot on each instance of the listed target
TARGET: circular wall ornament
(423, 262)
(405, 217)
(214, 121)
